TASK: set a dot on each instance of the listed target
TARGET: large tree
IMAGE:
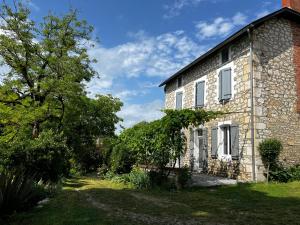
(42, 89)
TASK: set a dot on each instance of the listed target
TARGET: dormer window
(225, 55)
(179, 82)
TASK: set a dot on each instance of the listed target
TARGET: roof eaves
(230, 39)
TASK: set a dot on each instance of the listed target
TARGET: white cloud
(175, 8)
(239, 19)
(134, 113)
(262, 14)
(220, 27)
(152, 56)
(125, 95)
(31, 5)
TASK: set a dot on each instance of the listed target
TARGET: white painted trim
(183, 96)
(233, 75)
(196, 149)
(204, 78)
(221, 155)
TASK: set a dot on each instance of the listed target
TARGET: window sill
(225, 158)
(225, 101)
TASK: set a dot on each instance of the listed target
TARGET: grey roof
(284, 12)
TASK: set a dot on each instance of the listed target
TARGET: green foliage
(102, 171)
(18, 191)
(159, 142)
(45, 155)
(183, 177)
(109, 175)
(92, 119)
(139, 179)
(46, 117)
(157, 178)
(295, 173)
(269, 150)
(282, 174)
(121, 159)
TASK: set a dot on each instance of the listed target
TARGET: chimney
(292, 4)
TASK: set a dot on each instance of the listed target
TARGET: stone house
(253, 76)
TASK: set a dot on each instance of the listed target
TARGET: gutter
(249, 30)
(286, 12)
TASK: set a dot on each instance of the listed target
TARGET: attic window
(179, 82)
(225, 55)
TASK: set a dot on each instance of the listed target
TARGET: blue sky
(142, 42)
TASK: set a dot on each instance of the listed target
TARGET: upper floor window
(179, 82)
(225, 55)
(225, 92)
(179, 98)
(200, 94)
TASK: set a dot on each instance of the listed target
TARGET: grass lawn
(89, 201)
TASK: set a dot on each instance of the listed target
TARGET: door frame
(197, 165)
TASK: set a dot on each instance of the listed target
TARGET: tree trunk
(35, 130)
(268, 171)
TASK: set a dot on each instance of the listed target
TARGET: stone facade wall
(275, 87)
(276, 65)
(238, 107)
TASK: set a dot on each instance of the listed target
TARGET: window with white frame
(225, 141)
(226, 136)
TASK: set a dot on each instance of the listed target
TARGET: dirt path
(140, 217)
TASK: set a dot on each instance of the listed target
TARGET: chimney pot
(292, 4)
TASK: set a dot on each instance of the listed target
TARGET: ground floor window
(226, 131)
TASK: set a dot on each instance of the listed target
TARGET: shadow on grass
(240, 204)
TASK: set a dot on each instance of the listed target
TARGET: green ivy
(162, 141)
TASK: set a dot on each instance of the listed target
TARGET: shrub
(18, 192)
(102, 171)
(269, 150)
(295, 173)
(109, 175)
(183, 176)
(87, 159)
(120, 178)
(121, 159)
(46, 156)
(281, 175)
(157, 178)
(139, 179)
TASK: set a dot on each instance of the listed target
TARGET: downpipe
(252, 105)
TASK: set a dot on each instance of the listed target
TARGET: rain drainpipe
(252, 103)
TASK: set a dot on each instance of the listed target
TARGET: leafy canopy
(45, 113)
